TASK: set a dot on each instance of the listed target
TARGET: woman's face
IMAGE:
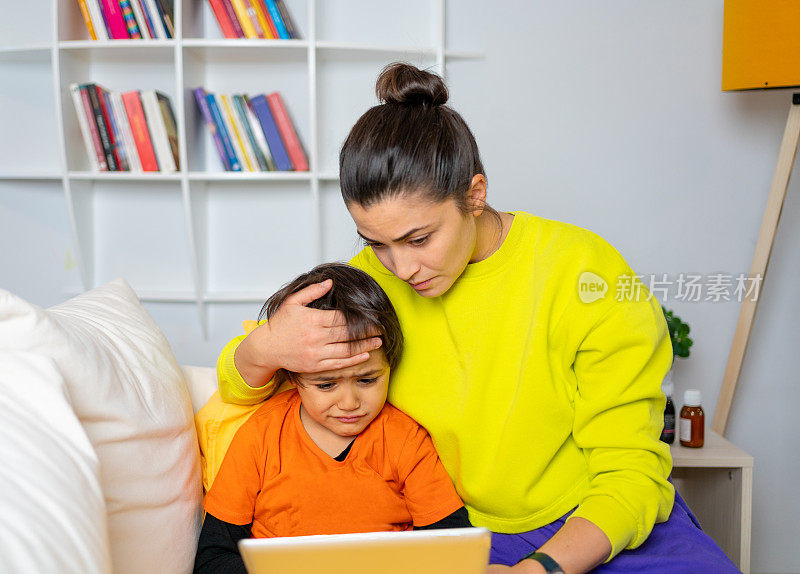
(426, 244)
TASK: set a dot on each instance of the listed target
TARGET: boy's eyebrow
(360, 376)
(401, 238)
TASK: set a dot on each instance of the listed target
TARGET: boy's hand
(303, 340)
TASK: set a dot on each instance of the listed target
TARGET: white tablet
(446, 551)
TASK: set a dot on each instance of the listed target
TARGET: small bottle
(693, 420)
(668, 434)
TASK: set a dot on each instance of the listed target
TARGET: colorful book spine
(258, 156)
(86, 132)
(253, 16)
(116, 23)
(158, 132)
(98, 20)
(87, 19)
(222, 129)
(160, 32)
(263, 18)
(138, 12)
(130, 19)
(238, 138)
(141, 133)
(275, 14)
(223, 19)
(119, 144)
(273, 31)
(205, 111)
(147, 21)
(264, 115)
(165, 10)
(288, 133)
(287, 19)
(261, 140)
(171, 127)
(125, 129)
(244, 19)
(234, 19)
(102, 127)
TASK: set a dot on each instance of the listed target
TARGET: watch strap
(550, 565)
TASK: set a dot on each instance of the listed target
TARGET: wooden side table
(716, 481)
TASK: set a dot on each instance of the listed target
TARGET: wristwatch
(550, 565)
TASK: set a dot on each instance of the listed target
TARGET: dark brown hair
(365, 307)
(411, 142)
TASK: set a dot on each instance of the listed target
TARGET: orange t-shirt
(276, 477)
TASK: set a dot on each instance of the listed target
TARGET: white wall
(608, 115)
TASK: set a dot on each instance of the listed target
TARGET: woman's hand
(300, 339)
(524, 567)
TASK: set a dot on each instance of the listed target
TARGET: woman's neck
(492, 230)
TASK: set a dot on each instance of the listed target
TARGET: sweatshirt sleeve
(619, 406)
(232, 387)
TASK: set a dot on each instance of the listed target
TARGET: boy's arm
(217, 551)
(459, 519)
(428, 490)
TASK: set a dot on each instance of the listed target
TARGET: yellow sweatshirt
(538, 376)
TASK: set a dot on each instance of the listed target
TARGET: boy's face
(344, 401)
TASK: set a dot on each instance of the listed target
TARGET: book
(146, 22)
(87, 19)
(125, 131)
(258, 133)
(287, 19)
(98, 23)
(170, 125)
(141, 133)
(263, 19)
(158, 131)
(234, 19)
(239, 142)
(165, 11)
(275, 14)
(251, 13)
(138, 12)
(259, 161)
(293, 146)
(155, 19)
(94, 149)
(205, 111)
(223, 19)
(273, 31)
(116, 23)
(102, 127)
(241, 14)
(264, 115)
(130, 19)
(222, 129)
(119, 144)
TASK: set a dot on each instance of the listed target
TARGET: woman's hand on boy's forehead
(306, 340)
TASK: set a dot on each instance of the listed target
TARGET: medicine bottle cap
(668, 387)
(692, 398)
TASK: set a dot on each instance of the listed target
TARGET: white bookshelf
(171, 235)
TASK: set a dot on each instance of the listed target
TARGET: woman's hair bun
(401, 83)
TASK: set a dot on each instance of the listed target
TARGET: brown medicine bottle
(692, 420)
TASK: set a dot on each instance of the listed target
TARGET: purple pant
(673, 547)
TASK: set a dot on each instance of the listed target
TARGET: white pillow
(129, 394)
(201, 383)
(53, 516)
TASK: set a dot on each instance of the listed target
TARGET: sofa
(99, 459)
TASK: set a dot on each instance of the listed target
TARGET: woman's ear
(476, 195)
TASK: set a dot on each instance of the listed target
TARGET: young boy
(329, 456)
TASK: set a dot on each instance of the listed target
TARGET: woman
(539, 386)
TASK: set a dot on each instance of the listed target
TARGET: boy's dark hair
(410, 143)
(365, 306)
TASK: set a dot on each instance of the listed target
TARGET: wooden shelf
(717, 452)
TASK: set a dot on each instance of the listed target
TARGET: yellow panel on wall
(761, 44)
